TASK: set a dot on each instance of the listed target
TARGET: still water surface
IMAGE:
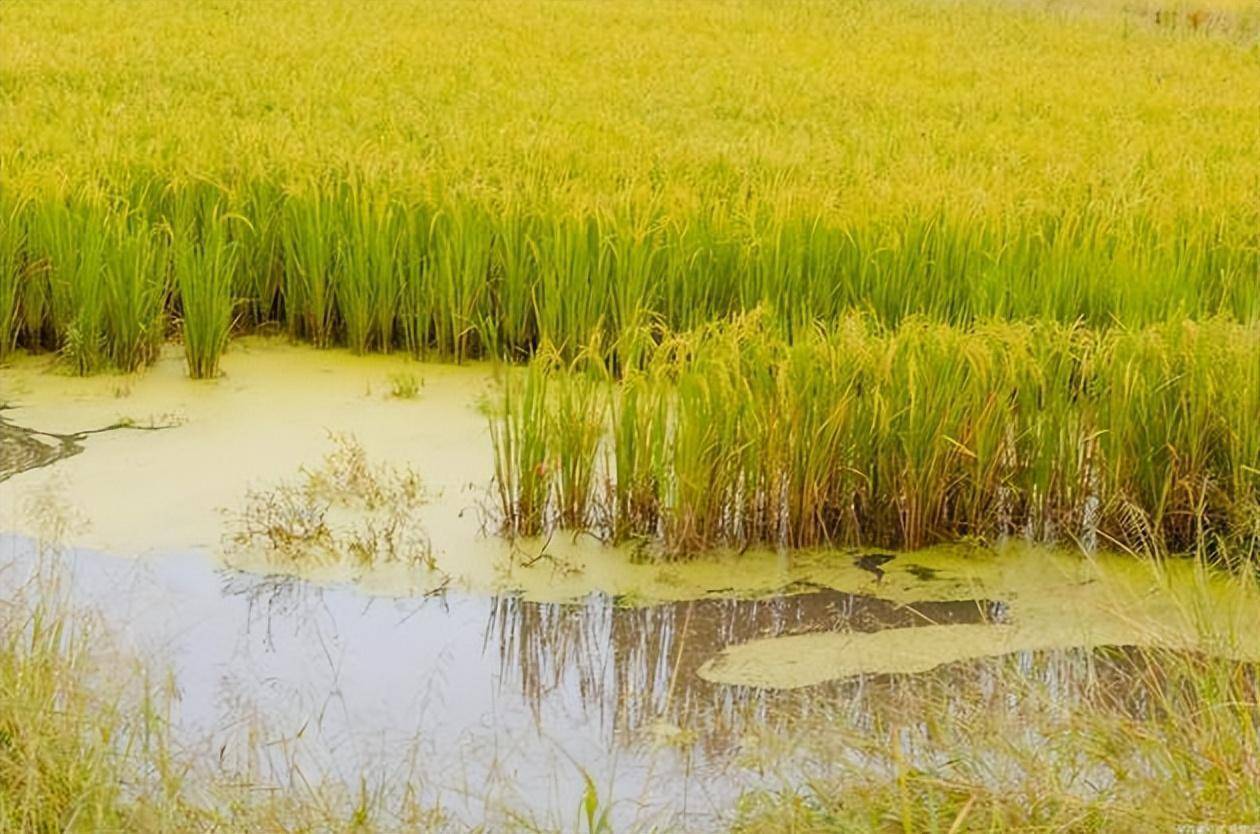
(485, 702)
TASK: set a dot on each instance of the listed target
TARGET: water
(494, 705)
(489, 702)
(23, 449)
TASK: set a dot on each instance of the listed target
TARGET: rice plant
(631, 502)
(12, 246)
(311, 258)
(523, 469)
(860, 434)
(258, 228)
(347, 264)
(69, 241)
(578, 417)
(462, 215)
(367, 289)
(204, 277)
(135, 295)
(456, 278)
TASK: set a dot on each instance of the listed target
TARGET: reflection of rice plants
(962, 744)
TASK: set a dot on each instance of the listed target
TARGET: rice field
(803, 404)
(457, 192)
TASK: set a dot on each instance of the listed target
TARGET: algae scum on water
(323, 505)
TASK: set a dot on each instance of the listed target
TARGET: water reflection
(489, 703)
(636, 666)
(22, 448)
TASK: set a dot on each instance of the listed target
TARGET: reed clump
(860, 434)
